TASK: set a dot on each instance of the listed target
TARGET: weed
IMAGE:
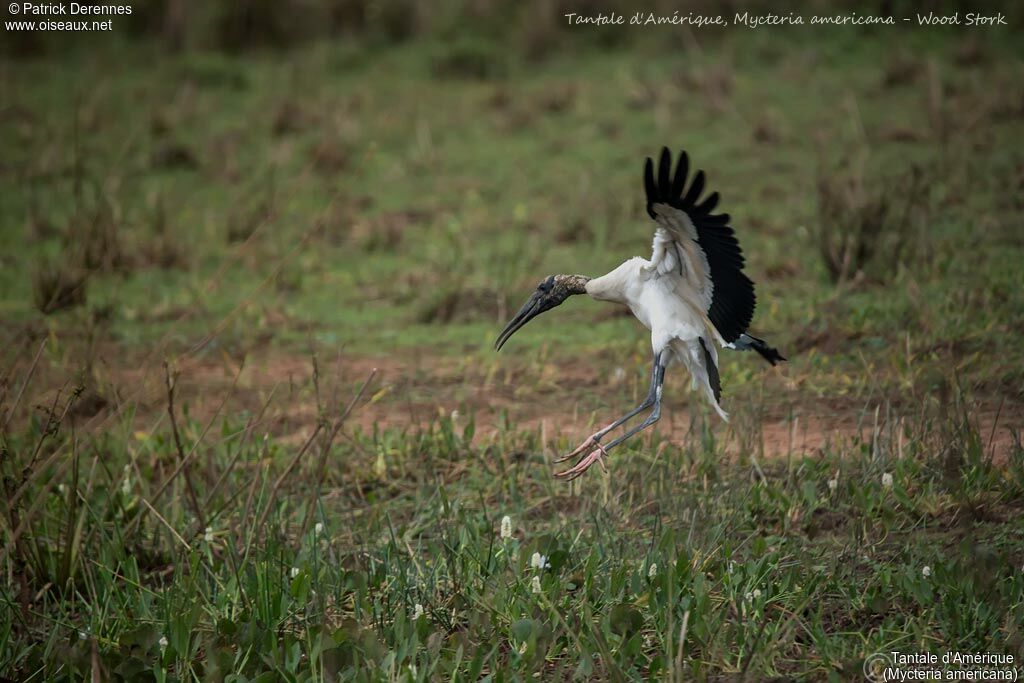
(164, 249)
(57, 285)
(871, 227)
(252, 213)
(170, 155)
(92, 238)
(331, 156)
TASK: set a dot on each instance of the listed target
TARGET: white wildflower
(833, 484)
(522, 648)
(62, 489)
(455, 415)
(126, 482)
(294, 572)
(417, 611)
(887, 480)
(538, 561)
(652, 571)
(926, 571)
(208, 534)
(753, 595)
(163, 643)
(535, 584)
(318, 528)
(506, 527)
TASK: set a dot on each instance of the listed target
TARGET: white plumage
(692, 295)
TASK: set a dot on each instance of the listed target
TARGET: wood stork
(692, 294)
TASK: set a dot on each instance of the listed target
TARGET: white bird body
(676, 323)
(692, 295)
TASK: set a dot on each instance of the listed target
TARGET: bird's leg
(594, 440)
(598, 450)
(651, 419)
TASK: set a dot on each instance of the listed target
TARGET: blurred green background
(383, 177)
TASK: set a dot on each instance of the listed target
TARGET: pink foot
(596, 454)
(588, 444)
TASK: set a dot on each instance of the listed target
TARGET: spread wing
(698, 247)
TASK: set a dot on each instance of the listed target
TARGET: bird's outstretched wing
(698, 247)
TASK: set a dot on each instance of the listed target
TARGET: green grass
(678, 565)
(430, 195)
(369, 204)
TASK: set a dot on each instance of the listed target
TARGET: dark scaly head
(551, 292)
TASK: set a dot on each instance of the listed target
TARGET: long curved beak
(533, 307)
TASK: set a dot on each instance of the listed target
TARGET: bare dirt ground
(416, 389)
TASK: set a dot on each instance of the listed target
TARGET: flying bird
(692, 295)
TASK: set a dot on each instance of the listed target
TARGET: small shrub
(57, 285)
(92, 239)
(172, 155)
(864, 228)
(242, 224)
(248, 215)
(163, 250)
(331, 155)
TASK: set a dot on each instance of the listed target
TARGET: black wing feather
(652, 189)
(682, 168)
(664, 169)
(733, 299)
(696, 187)
(708, 205)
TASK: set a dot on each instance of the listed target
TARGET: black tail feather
(769, 353)
(713, 378)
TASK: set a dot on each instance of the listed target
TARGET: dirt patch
(562, 402)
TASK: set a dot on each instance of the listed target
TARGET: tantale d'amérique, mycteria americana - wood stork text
(692, 294)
